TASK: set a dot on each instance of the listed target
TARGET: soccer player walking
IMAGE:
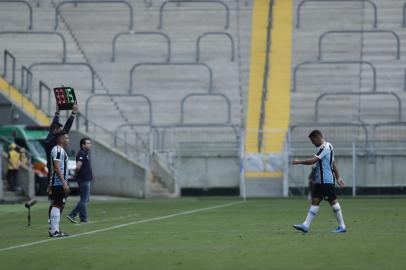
(59, 184)
(324, 188)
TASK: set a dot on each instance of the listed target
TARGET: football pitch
(208, 233)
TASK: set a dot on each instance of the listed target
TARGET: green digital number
(69, 96)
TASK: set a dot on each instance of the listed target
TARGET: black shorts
(324, 191)
(58, 196)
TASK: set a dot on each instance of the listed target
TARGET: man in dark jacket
(84, 176)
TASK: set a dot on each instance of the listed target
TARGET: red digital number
(60, 96)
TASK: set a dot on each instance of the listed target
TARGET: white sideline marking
(122, 225)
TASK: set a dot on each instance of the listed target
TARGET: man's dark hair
(83, 141)
(315, 133)
(60, 133)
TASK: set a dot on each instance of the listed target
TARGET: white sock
(311, 214)
(55, 217)
(338, 214)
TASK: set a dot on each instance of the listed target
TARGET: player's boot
(58, 234)
(71, 219)
(62, 234)
(301, 227)
(339, 230)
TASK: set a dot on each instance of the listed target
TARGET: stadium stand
(210, 33)
(181, 80)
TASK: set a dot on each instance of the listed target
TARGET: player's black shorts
(58, 196)
(324, 191)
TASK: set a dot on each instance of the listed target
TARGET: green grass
(256, 235)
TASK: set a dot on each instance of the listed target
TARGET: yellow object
(23, 102)
(278, 101)
(13, 160)
(277, 107)
(258, 54)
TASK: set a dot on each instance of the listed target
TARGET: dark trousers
(12, 179)
(81, 206)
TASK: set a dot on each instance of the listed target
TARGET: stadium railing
(320, 97)
(330, 1)
(162, 7)
(323, 35)
(30, 19)
(41, 33)
(42, 86)
(130, 9)
(151, 33)
(195, 138)
(84, 64)
(7, 55)
(333, 130)
(192, 64)
(215, 95)
(264, 92)
(215, 34)
(26, 79)
(404, 15)
(148, 102)
(97, 131)
(297, 67)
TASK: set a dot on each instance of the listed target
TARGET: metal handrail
(87, 121)
(93, 79)
(41, 86)
(375, 126)
(359, 32)
(208, 125)
(25, 73)
(404, 15)
(13, 71)
(130, 8)
(264, 93)
(150, 118)
(297, 67)
(166, 37)
(404, 84)
(161, 9)
(319, 98)
(171, 64)
(211, 34)
(183, 101)
(24, 3)
(39, 33)
(131, 125)
(360, 125)
(305, 1)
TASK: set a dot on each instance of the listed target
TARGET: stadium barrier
(130, 9)
(322, 36)
(87, 65)
(30, 20)
(131, 33)
(40, 33)
(299, 8)
(373, 69)
(162, 7)
(192, 64)
(320, 97)
(199, 38)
